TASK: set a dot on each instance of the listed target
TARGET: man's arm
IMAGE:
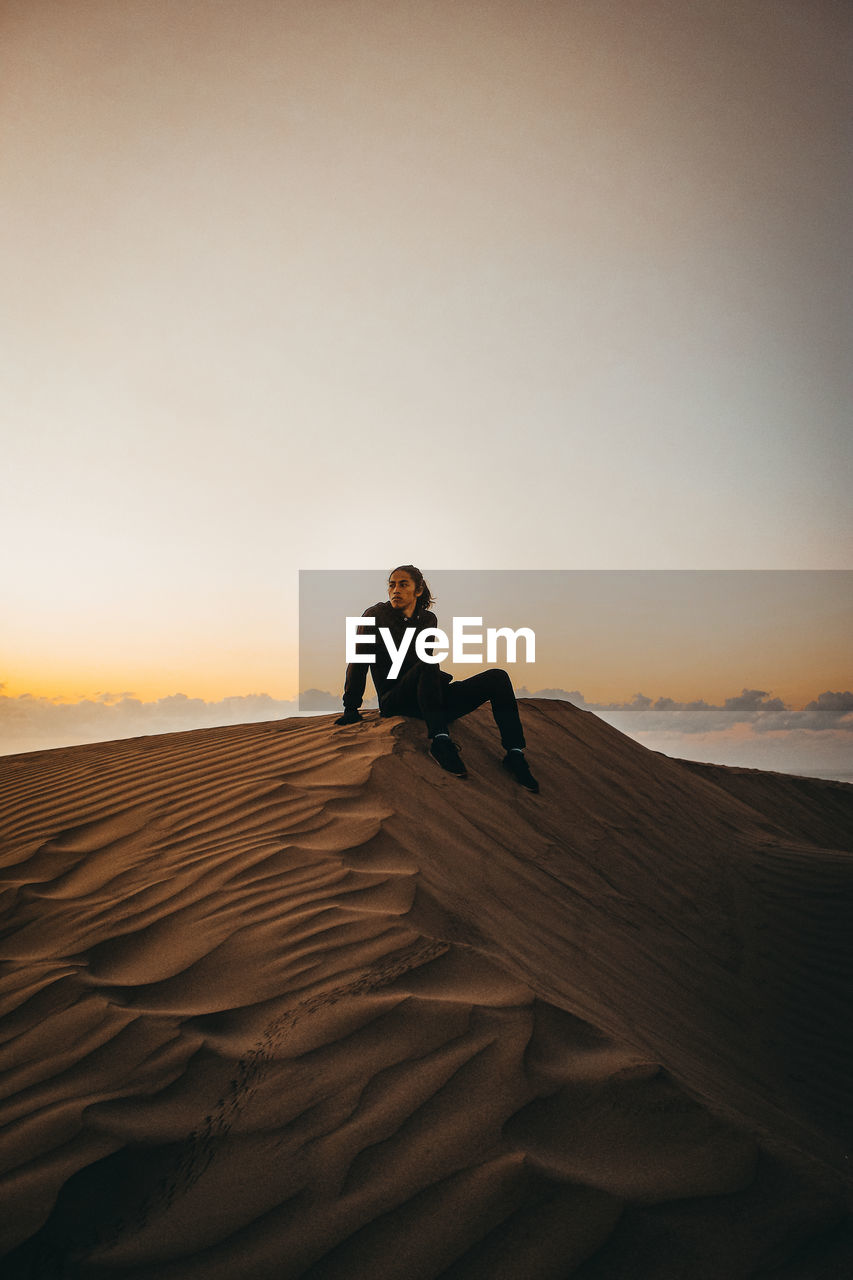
(356, 677)
(430, 620)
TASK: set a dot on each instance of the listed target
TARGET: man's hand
(351, 716)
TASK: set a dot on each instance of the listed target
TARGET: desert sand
(285, 1000)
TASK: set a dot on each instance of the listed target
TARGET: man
(421, 689)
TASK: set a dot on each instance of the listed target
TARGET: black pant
(421, 692)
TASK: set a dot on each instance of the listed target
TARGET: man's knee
(500, 677)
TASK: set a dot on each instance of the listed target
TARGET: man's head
(407, 589)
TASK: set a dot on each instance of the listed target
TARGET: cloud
(798, 751)
(574, 696)
(319, 700)
(752, 707)
(751, 730)
(754, 700)
(841, 702)
(639, 702)
(828, 711)
(28, 723)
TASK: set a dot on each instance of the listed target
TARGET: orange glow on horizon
(207, 678)
(280, 683)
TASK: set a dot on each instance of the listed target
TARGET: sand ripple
(285, 1000)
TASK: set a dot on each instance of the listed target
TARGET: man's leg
(493, 686)
(418, 693)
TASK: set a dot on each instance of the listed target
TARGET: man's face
(402, 593)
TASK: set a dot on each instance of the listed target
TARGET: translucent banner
(606, 637)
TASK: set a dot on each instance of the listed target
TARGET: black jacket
(386, 616)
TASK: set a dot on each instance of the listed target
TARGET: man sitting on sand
(421, 689)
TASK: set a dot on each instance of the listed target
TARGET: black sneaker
(515, 763)
(446, 753)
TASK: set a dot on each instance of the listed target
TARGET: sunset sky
(614, 634)
(480, 285)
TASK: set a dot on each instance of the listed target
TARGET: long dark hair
(426, 598)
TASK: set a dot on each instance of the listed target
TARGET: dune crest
(285, 1000)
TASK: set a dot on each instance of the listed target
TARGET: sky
(614, 633)
(482, 285)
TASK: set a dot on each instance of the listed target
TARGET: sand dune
(285, 1000)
